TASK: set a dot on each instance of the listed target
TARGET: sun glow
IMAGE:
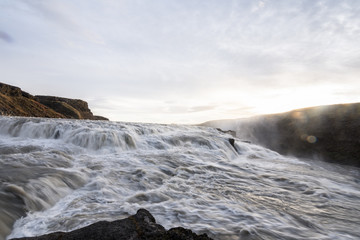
(252, 101)
(299, 97)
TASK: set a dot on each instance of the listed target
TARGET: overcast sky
(183, 61)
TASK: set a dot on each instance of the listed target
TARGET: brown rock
(70, 108)
(15, 102)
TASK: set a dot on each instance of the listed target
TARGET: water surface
(59, 175)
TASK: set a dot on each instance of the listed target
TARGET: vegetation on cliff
(15, 102)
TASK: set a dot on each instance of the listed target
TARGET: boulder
(140, 226)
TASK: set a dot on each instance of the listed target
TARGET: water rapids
(59, 175)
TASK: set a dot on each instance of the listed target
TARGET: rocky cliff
(15, 102)
(141, 226)
(330, 133)
(70, 108)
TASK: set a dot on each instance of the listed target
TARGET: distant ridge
(330, 132)
(15, 102)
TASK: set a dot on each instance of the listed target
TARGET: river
(59, 175)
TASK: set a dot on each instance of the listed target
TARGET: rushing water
(58, 175)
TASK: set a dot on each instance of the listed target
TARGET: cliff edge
(329, 132)
(15, 102)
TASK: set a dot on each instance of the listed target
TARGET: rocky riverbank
(15, 102)
(330, 133)
(141, 226)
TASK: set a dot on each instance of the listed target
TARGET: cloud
(200, 57)
(59, 12)
(201, 108)
(6, 37)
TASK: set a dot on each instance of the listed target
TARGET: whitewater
(60, 175)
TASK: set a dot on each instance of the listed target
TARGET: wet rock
(231, 132)
(141, 226)
(232, 143)
(180, 233)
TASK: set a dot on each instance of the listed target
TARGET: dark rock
(140, 226)
(232, 143)
(101, 118)
(180, 233)
(231, 132)
(15, 102)
(329, 133)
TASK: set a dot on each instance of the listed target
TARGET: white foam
(184, 175)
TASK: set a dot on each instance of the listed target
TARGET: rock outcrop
(70, 108)
(330, 133)
(15, 102)
(141, 226)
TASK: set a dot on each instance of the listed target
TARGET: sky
(183, 61)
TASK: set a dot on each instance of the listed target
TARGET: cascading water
(58, 175)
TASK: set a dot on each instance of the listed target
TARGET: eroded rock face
(70, 108)
(330, 133)
(140, 226)
(15, 102)
(9, 90)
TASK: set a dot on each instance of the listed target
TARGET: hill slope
(15, 102)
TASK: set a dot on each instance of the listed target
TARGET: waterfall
(59, 175)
